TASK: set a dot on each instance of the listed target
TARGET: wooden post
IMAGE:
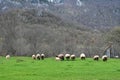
(108, 49)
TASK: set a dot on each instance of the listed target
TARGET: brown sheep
(61, 56)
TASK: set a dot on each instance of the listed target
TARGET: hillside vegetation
(25, 32)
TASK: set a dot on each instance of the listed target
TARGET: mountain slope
(90, 13)
(24, 32)
(54, 28)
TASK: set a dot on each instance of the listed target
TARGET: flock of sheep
(35, 57)
(38, 56)
(61, 57)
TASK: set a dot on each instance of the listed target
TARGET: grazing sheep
(33, 57)
(82, 56)
(57, 58)
(96, 58)
(61, 56)
(42, 56)
(67, 56)
(7, 56)
(38, 56)
(104, 57)
(72, 57)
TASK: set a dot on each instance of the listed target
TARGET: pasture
(25, 68)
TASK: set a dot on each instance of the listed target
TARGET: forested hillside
(59, 27)
(96, 14)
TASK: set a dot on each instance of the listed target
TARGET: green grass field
(24, 68)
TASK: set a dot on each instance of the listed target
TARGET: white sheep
(42, 56)
(7, 56)
(33, 57)
(96, 57)
(38, 56)
(116, 57)
(104, 57)
(82, 56)
(67, 56)
(72, 57)
(57, 58)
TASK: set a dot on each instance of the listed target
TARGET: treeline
(27, 32)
